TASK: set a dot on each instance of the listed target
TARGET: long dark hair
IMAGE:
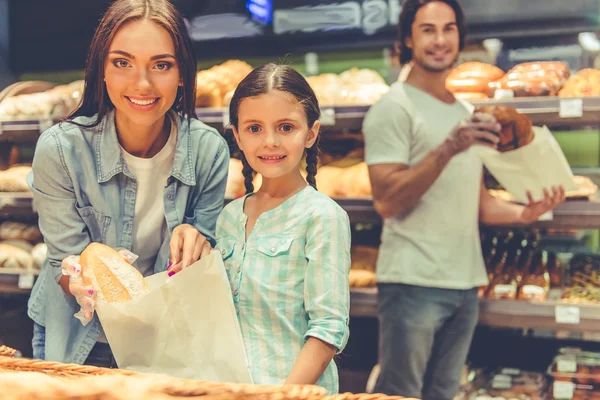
(407, 18)
(95, 97)
(286, 79)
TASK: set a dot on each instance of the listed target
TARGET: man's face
(435, 39)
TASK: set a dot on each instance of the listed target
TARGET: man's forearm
(499, 212)
(406, 187)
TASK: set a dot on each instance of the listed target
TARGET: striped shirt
(289, 281)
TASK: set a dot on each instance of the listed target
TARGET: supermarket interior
(538, 324)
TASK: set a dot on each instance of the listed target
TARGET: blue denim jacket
(84, 193)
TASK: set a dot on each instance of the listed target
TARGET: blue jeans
(425, 335)
(100, 356)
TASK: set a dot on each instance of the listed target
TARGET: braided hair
(286, 79)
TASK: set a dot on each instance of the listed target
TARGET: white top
(435, 244)
(149, 222)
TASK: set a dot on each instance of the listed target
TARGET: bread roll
(516, 128)
(360, 278)
(19, 231)
(12, 257)
(472, 77)
(113, 278)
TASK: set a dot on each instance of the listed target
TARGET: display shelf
(16, 205)
(16, 281)
(507, 313)
(550, 111)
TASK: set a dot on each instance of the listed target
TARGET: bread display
(55, 103)
(360, 278)
(19, 231)
(14, 258)
(470, 80)
(534, 79)
(15, 179)
(214, 84)
(584, 83)
(352, 87)
(582, 283)
(517, 129)
(113, 278)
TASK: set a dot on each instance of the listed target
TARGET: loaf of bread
(473, 77)
(584, 83)
(214, 84)
(15, 179)
(517, 130)
(534, 79)
(18, 231)
(364, 257)
(352, 87)
(12, 257)
(113, 278)
(361, 278)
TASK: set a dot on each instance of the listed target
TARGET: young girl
(286, 248)
(131, 168)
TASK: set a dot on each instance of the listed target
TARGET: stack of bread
(362, 270)
(14, 179)
(584, 83)
(55, 103)
(471, 80)
(21, 247)
(352, 87)
(534, 79)
(214, 85)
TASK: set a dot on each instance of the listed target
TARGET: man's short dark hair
(407, 18)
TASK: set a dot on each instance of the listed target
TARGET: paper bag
(185, 327)
(538, 165)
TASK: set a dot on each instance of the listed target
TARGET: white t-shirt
(435, 244)
(149, 221)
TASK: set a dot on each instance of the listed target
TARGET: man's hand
(480, 129)
(534, 210)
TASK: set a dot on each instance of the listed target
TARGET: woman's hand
(187, 246)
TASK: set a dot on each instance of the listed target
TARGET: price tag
(567, 314)
(566, 365)
(563, 390)
(327, 117)
(225, 117)
(503, 94)
(25, 281)
(571, 108)
(311, 63)
(511, 371)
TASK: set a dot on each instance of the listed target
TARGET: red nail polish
(169, 266)
(91, 292)
(171, 273)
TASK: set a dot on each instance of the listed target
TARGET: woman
(131, 168)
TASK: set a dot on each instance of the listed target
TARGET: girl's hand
(187, 246)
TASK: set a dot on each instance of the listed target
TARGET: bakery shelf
(16, 204)
(503, 313)
(23, 131)
(9, 281)
(541, 110)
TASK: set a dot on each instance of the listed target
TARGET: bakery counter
(507, 313)
(23, 131)
(16, 281)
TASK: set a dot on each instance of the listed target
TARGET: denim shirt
(84, 193)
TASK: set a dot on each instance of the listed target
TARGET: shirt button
(235, 292)
(170, 197)
(272, 249)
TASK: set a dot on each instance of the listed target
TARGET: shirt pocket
(276, 245)
(96, 223)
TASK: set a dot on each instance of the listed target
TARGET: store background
(48, 41)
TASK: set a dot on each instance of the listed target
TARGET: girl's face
(141, 72)
(273, 133)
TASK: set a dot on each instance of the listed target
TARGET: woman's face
(141, 72)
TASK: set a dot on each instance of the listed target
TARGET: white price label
(311, 63)
(25, 281)
(566, 365)
(567, 314)
(503, 94)
(563, 390)
(571, 108)
(225, 117)
(328, 117)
